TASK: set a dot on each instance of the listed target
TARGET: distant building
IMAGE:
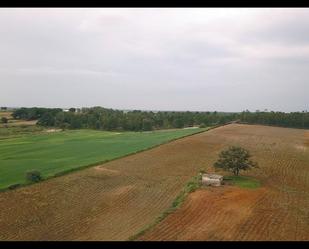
(212, 179)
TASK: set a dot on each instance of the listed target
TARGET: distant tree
(147, 124)
(4, 108)
(47, 119)
(178, 123)
(235, 159)
(72, 109)
(4, 120)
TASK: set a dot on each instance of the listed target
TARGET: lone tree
(235, 159)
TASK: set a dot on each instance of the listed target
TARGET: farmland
(118, 199)
(16, 127)
(53, 153)
(15, 122)
(277, 210)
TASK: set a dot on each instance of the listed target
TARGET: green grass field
(244, 181)
(63, 151)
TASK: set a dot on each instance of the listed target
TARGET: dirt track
(116, 200)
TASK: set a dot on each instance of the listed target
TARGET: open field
(16, 127)
(17, 122)
(6, 114)
(61, 151)
(278, 210)
(20, 130)
(118, 199)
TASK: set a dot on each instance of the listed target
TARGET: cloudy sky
(158, 59)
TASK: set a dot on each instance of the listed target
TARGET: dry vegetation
(118, 199)
(14, 122)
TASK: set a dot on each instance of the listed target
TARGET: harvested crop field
(117, 199)
(277, 211)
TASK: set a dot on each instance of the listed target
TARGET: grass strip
(243, 181)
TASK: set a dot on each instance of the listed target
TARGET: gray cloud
(169, 59)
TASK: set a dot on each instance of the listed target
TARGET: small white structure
(212, 179)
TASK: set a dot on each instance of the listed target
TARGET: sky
(195, 59)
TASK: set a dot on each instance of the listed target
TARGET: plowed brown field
(277, 211)
(116, 200)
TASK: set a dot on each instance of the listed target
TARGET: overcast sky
(157, 59)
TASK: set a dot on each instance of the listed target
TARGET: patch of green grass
(190, 187)
(56, 153)
(244, 181)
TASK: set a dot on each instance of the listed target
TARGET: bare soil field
(116, 200)
(277, 211)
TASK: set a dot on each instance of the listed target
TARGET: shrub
(33, 176)
(14, 186)
(4, 120)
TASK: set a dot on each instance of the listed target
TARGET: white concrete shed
(212, 179)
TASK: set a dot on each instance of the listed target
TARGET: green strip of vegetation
(190, 187)
(243, 181)
(59, 153)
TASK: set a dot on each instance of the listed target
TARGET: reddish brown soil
(118, 199)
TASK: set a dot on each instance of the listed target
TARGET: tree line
(292, 119)
(109, 119)
(34, 113)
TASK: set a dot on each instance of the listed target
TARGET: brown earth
(118, 199)
(277, 211)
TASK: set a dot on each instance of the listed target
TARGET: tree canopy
(292, 119)
(235, 159)
(109, 119)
